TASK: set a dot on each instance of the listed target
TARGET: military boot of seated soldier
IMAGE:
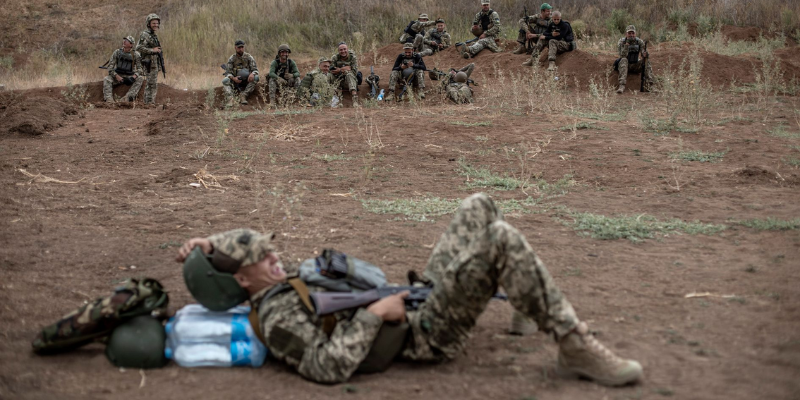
(621, 89)
(522, 325)
(389, 96)
(520, 49)
(581, 355)
(532, 61)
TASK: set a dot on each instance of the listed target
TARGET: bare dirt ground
(123, 202)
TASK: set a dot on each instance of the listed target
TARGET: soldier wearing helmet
(225, 269)
(150, 47)
(408, 67)
(241, 75)
(283, 74)
(630, 50)
(486, 26)
(124, 67)
(416, 28)
(458, 90)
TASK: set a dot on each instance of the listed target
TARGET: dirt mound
(742, 33)
(754, 174)
(177, 124)
(32, 115)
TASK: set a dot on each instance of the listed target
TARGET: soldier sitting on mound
(477, 254)
(529, 32)
(486, 26)
(435, 40)
(241, 75)
(630, 47)
(558, 38)
(415, 29)
(317, 86)
(283, 74)
(408, 66)
(124, 67)
(344, 66)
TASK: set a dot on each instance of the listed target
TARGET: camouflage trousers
(555, 47)
(274, 85)
(418, 80)
(459, 93)
(624, 68)
(423, 49)
(151, 88)
(230, 88)
(486, 43)
(348, 82)
(478, 253)
(109, 83)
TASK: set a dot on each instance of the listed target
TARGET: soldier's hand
(483, 36)
(190, 244)
(282, 81)
(556, 33)
(287, 76)
(345, 68)
(251, 77)
(390, 308)
(644, 54)
(530, 36)
(236, 79)
(118, 78)
(156, 49)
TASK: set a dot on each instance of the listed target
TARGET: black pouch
(359, 78)
(616, 64)
(386, 347)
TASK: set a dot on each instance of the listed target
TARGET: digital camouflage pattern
(318, 85)
(536, 25)
(418, 27)
(428, 44)
(478, 253)
(147, 41)
(625, 66)
(348, 81)
(554, 48)
(277, 77)
(110, 81)
(244, 246)
(459, 92)
(236, 63)
(491, 34)
(97, 319)
(397, 76)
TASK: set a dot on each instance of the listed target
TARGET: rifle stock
(467, 42)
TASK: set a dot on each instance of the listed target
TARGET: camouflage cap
(323, 60)
(129, 39)
(484, 2)
(423, 16)
(440, 20)
(630, 28)
(239, 247)
(408, 46)
(239, 42)
(546, 6)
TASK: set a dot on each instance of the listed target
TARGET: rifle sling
(328, 321)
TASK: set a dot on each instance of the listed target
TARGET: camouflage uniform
(349, 80)
(147, 41)
(490, 29)
(417, 26)
(397, 70)
(277, 70)
(625, 66)
(109, 82)
(317, 86)
(236, 63)
(459, 92)
(478, 253)
(536, 25)
(428, 44)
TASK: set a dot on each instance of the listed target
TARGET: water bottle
(197, 337)
(380, 95)
(335, 102)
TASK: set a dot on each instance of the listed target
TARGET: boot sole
(568, 373)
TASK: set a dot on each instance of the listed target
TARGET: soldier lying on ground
(486, 26)
(530, 31)
(630, 47)
(317, 86)
(124, 67)
(240, 64)
(415, 29)
(478, 253)
(405, 60)
(436, 39)
(283, 74)
(559, 39)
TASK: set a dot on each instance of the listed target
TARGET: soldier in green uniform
(630, 47)
(239, 63)
(283, 74)
(124, 67)
(478, 253)
(529, 31)
(344, 66)
(150, 47)
(435, 40)
(317, 86)
(486, 26)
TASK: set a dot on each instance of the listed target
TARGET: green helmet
(284, 47)
(461, 77)
(138, 343)
(215, 290)
(150, 18)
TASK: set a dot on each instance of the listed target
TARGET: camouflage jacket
(494, 23)
(147, 41)
(536, 24)
(294, 335)
(136, 63)
(624, 46)
(431, 36)
(352, 61)
(417, 26)
(289, 66)
(236, 62)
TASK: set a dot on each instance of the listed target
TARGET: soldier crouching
(241, 75)
(124, 67)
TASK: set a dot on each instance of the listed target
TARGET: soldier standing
(407, 59)
(416, 28)
(559, 39)
(124, 67)
(150, 48)
(283, 73)
(486, 26)
(436, 39)
(344, 66)
(630, 47)
(529, 31)
(242, 75)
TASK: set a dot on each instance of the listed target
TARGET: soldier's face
(127, 46)
(631, 35)
(408, 52)
(265, 273)
(440, 27)
(240, 50)
(545, 13)
(325, 67)
(343, 50)
(155, 24)
(485, 7)
(283, 54)
(423, 20)
(556, 20)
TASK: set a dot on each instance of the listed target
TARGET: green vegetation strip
(771, 224)
(697, 155)
(637, 228)
(426, 208)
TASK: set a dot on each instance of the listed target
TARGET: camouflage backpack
(98, 318)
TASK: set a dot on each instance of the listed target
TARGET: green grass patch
(697, 155)
(598, 116)
(792, 161)
(483, 177)
(427, 208)
(637, 228)
(559, 187)
(482, 138)
(582, 125)
(234, 115)
(471, 124)
(772, 224)
(781, 132)
(332, 157)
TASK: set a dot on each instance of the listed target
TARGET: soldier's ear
(242, 280)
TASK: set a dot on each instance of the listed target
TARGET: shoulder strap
(328, 321)
(254, 323)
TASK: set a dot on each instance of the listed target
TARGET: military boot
(389, 96)
(581, 355)
(243, 99)
(463, 50)
(520, 49)
(621, 89)
(552, 66)
(532, 61)
(522, 325)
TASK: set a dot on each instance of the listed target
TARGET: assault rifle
(644, 66)
(161, 58)
(127, 81)
(527, 18)
(407, 82)
(373, 80)
(467, 42)
(331, 302)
